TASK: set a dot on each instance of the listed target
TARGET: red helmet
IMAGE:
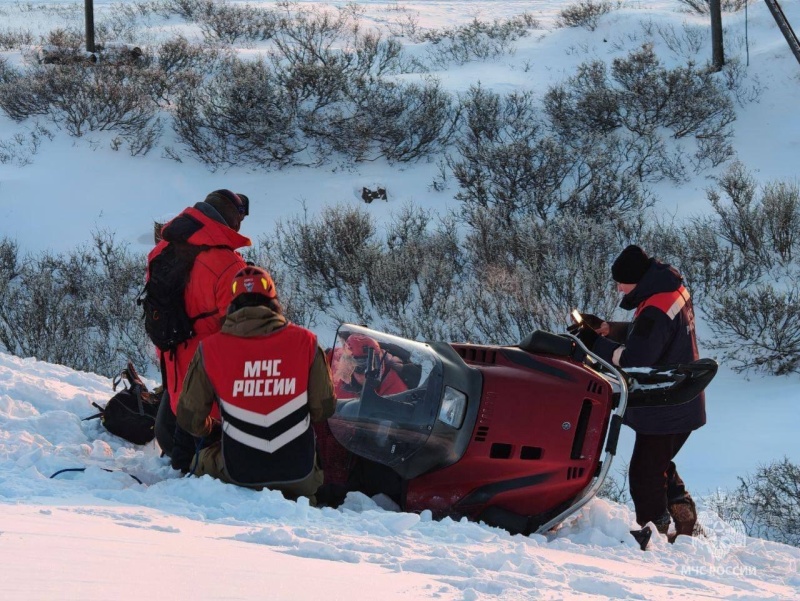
(253, 280)
(359, 345)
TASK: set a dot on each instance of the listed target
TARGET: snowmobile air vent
(574, 472)
(501, 450)
(595, 387)
(580, 430)
(478, 355)
(481, 434)
(531, 453)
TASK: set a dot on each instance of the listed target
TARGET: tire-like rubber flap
(670, 384)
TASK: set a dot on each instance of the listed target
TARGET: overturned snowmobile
(518, 437)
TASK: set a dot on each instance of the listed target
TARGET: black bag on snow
(162, 300)
(131, 413)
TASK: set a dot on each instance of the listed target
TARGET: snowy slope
(73, 536)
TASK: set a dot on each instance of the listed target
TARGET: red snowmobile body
(515, 436)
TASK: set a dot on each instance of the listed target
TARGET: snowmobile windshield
(389, 391)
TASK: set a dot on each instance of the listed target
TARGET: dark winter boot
(684, 513)
(662, 524)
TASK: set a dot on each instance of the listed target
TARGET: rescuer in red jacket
(270, 380)
(213, 223)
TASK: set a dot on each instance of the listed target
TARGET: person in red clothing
(271, 381)
(352, 367)
(213, 224)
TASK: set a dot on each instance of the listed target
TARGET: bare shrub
(63, 11)
(121, 22)
(375, 55)
(780, 202)
(532, 273)
(769, 502)
(241, 115)
(422, 279)
(386, 120)
(405, 24)
(477, 40)
(510, 161)
(418, 284)
(637, 100)
(615, 486)
(191, 10)
(332, 255)
(336, 266)
(315, 38)
(97, 99)
(763, 229)
(24, 95)
(231, 22)
(757, 328)
(743, 264)
(178, 67)
(321, 92)
(76, 309)
(22, 146)
(702, 7)
(585, 13)
(688, 42)
(69, 39)
(745, 86)
(82, 98)
(15, 39)
(311, 102)
(178, 54)
(707, 262)
(141, 141)
(308, 35)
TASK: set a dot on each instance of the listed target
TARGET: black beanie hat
(227, 204)
(630, 265)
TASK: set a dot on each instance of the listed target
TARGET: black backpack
(162, 300)
(131, 413)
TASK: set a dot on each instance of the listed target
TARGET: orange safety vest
(671, 303)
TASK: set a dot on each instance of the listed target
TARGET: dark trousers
(165, 425)
(654, 481)
(175, 442)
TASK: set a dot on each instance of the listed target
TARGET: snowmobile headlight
(454, 406)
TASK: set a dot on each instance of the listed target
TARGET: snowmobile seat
(540, 341)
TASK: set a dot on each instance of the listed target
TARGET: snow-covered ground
(101, 535)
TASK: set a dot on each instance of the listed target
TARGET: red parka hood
(197, 228)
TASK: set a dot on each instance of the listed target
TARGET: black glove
(183, 451)
(587, 321)
(588, 336)
(592, 321)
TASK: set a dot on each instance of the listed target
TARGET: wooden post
(89, 6)
(717, 52)
(785, 27)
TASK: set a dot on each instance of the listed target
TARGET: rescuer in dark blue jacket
(662, 332)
